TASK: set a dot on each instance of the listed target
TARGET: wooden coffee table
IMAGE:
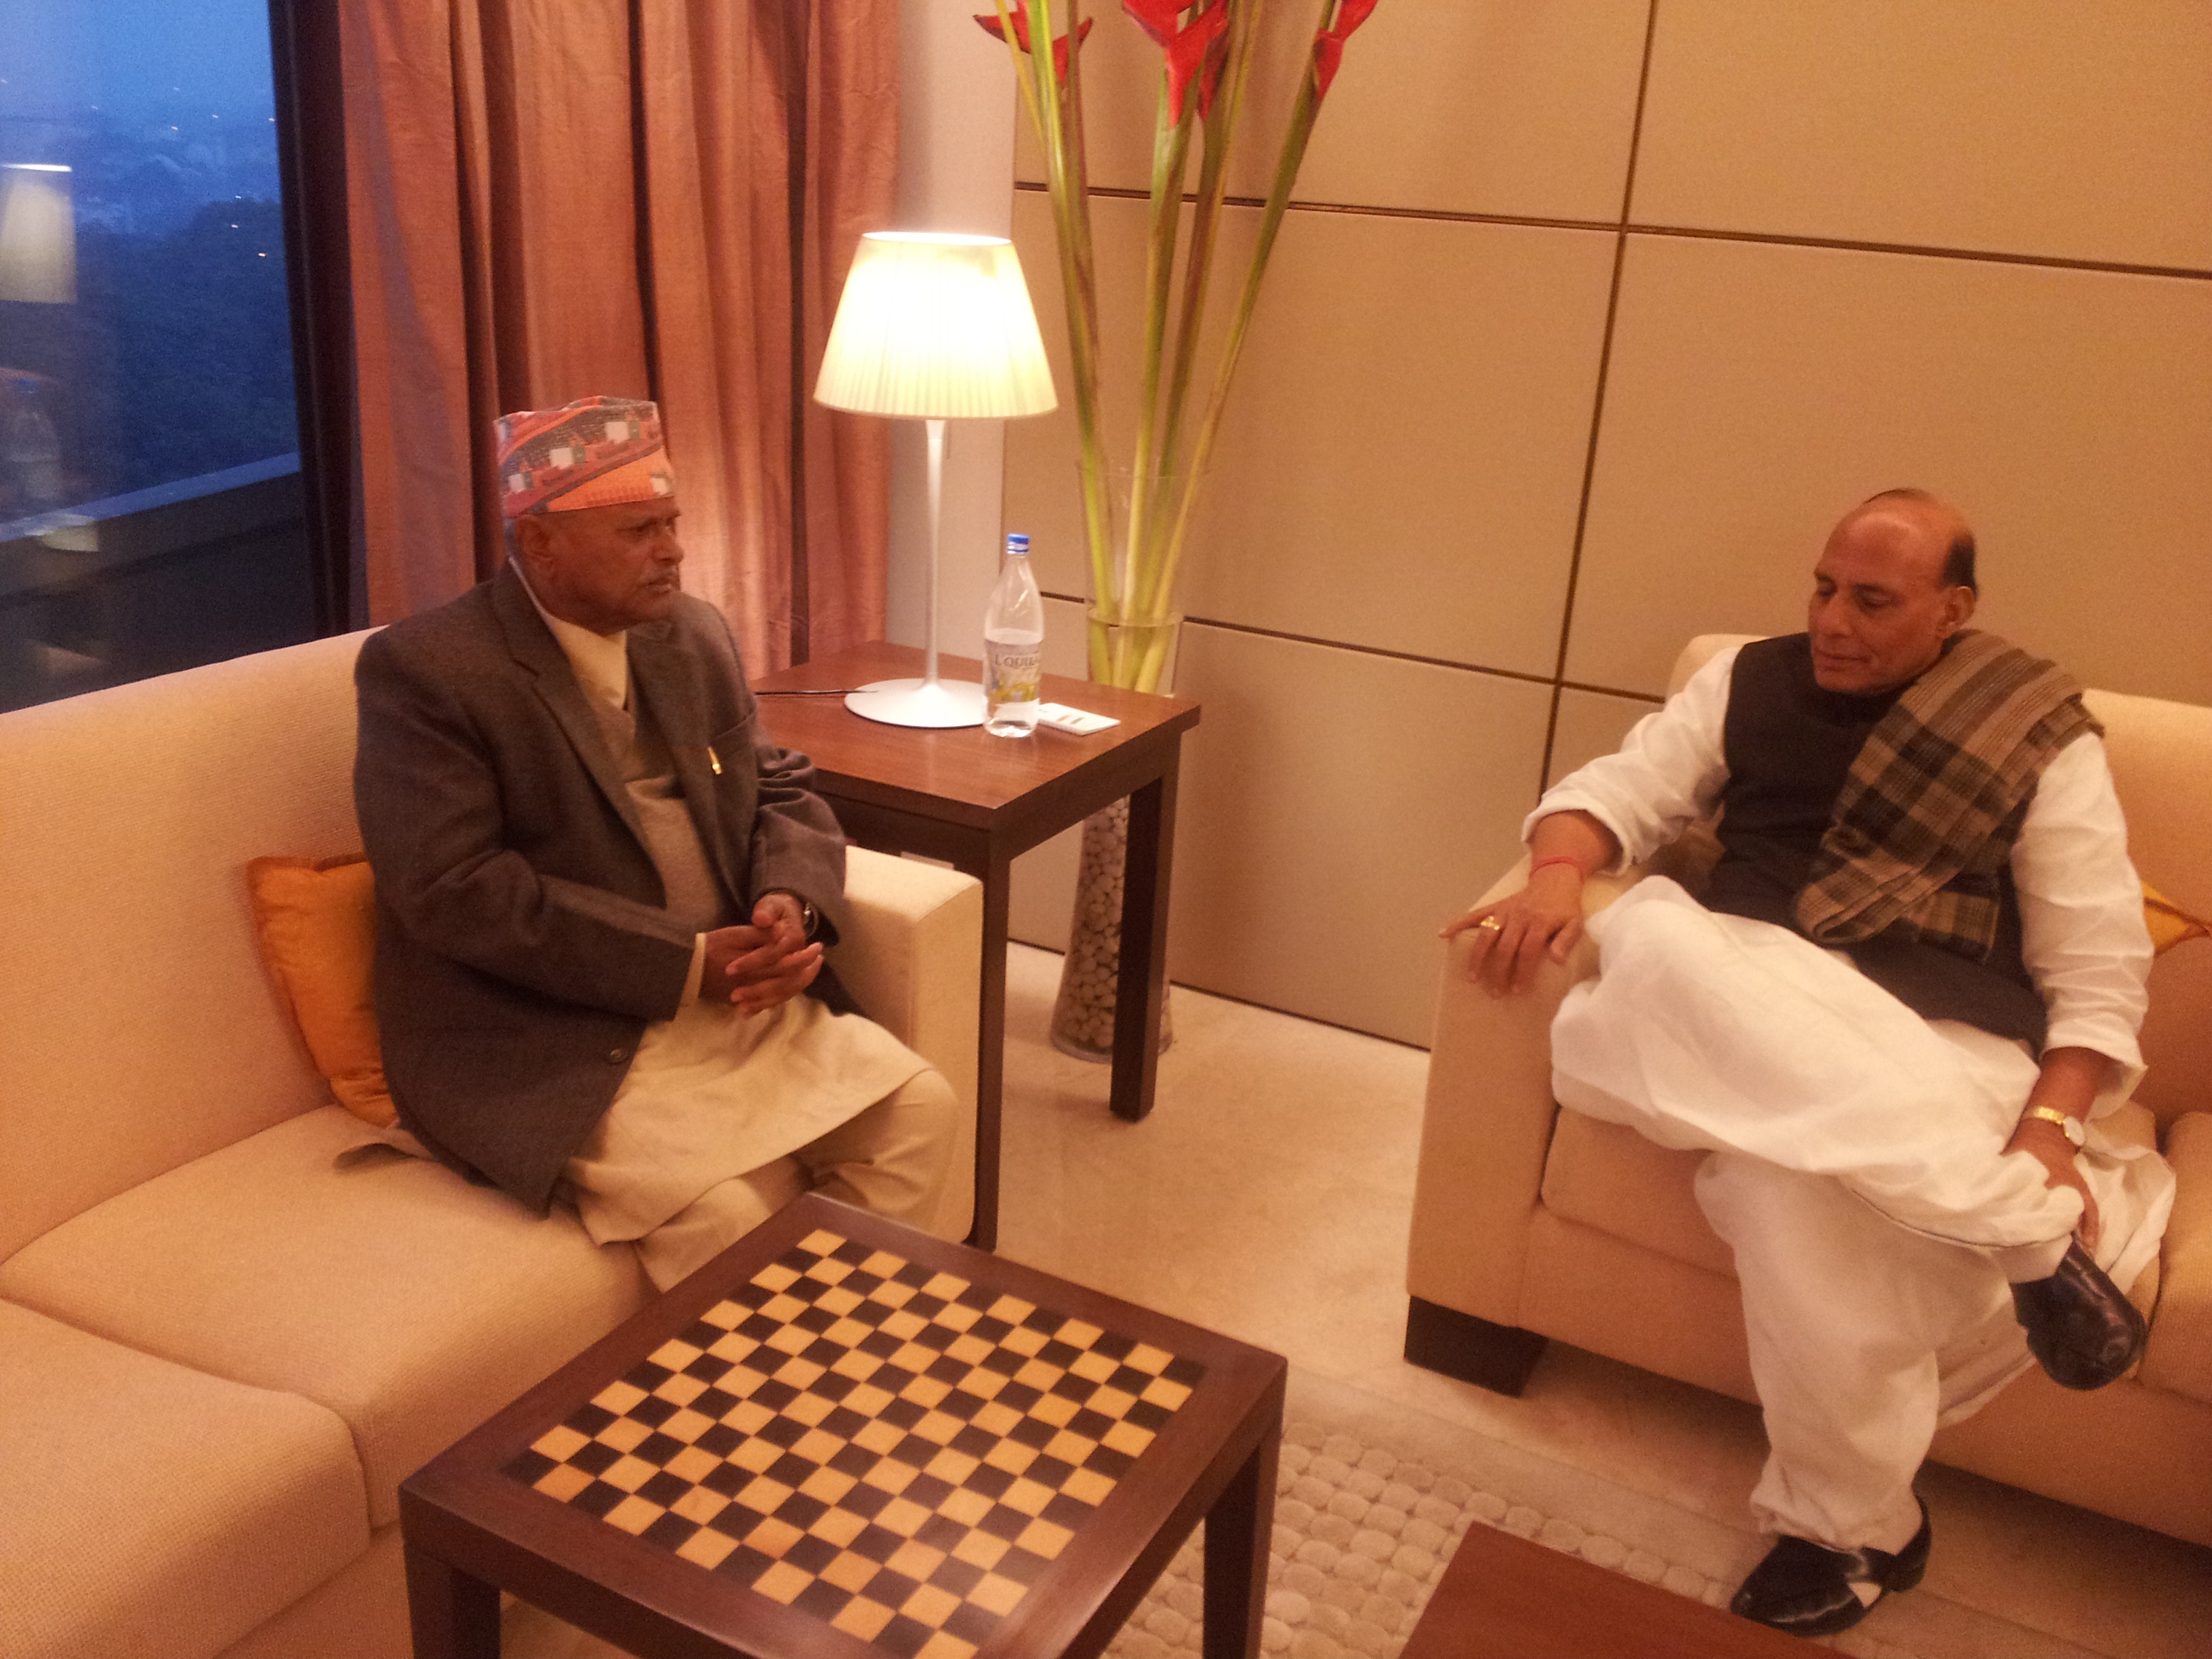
(978, 802)
(843, 1439)
(1504, 1597)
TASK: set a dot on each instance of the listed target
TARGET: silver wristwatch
(809, 918)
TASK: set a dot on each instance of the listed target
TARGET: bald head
(1936, 517)
(1894, 582)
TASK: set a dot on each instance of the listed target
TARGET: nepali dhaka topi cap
(597, 452)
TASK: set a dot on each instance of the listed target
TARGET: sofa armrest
(1487, 1124)
(912, 954)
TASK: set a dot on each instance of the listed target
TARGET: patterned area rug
(1371, 1499)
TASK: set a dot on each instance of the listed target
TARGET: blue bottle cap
(1017, 543)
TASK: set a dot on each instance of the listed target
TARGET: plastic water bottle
(1013, 646)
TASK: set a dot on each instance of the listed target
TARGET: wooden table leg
(454, 1616)
(1238, 1530)
(991, 1054)
(1142, 991)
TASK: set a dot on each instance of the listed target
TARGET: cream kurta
(712, 1093)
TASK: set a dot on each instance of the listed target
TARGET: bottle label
(1011, 672)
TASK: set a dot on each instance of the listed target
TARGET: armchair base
(1495, 1357)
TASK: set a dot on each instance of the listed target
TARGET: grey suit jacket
(522, 946)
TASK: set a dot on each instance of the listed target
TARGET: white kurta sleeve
(1665, 775)
(2080, 908)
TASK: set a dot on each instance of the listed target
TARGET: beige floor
(1267, 1196)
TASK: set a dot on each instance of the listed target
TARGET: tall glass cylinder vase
(1089, 975)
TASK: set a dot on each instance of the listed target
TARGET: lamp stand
(928, 701)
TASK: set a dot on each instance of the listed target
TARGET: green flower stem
(1171, 150)
(1303, 115)
(1071, 226)
(1212, 188)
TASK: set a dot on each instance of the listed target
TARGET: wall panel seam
(1597, 398)
(1704, 234)
(1356, 648)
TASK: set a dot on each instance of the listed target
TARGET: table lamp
(38, 233)
(934, 327)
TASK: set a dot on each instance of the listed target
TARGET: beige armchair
(1530, 1222)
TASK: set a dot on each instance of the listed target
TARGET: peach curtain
(645, 198)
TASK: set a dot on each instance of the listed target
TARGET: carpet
(1372, 1497)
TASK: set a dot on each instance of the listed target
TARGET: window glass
(151, 506)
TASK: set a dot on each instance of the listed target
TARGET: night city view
(145, 340)
(175, 356)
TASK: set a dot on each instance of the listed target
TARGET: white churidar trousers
(1859, 1175)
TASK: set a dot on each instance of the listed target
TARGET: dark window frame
(305, 50)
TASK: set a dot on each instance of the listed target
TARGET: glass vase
(1089, 975)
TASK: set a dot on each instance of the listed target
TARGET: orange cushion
(317, 921)
(2170, 925)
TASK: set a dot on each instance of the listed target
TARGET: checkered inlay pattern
(894, 1450)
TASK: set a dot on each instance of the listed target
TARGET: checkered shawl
(1924, 828)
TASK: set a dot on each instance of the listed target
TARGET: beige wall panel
(1403, 461)
(1475, 107)
(1337, 807)
(1589, 724)
(1756, 392)
(1402, 464)
(2025, 126)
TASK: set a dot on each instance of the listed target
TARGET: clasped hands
(768, 963)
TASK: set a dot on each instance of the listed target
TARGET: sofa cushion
(148, 1509)
(2169, 924)
(2180, 1353)
(141, 1029)
(1607, 1177)
(406, 1300)
(316, 920)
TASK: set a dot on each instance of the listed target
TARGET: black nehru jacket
(1790, 747)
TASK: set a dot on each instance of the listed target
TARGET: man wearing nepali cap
(602, 893)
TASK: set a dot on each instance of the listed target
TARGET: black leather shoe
(2082, 1330)
(1807, 1588)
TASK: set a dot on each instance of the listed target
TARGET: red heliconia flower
(1190, 53)
(1190, 48)
(1161, 19)
(1329, 45)
(1021, 16)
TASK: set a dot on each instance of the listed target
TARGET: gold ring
(1492, 925)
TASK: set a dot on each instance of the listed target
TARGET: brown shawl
(1924, 826)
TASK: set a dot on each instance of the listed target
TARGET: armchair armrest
(912, 954)
(1487, 1124)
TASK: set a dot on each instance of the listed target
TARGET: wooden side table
(844, 1439)
(1504, 1597)
(978, 802)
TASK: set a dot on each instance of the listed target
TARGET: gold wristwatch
(2066, 1122)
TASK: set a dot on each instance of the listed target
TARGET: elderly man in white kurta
(1910, 993)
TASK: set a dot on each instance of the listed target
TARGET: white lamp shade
(935, 326)
(37, 235)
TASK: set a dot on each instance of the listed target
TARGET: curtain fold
(657, 198)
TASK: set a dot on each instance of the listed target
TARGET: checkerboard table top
(892, 1449)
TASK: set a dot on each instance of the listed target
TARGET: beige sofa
(1530, 1222)
(220, 1352)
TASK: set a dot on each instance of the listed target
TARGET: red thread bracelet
(1557, 858)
